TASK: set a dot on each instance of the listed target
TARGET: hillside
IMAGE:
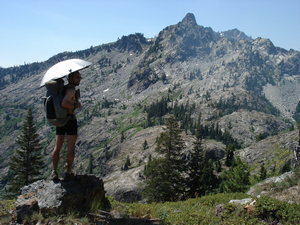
(242, 86)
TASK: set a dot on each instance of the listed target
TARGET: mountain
(242, 87)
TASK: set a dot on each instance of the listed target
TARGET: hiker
(70, 102)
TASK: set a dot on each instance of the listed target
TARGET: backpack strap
(77, 92)
(67, 87)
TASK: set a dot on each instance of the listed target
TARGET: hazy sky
(35, 30)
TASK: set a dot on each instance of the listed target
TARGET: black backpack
(55, 114)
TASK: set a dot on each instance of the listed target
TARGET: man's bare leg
(59, 140)
(71, 139)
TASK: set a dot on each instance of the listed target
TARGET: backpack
(55, 114)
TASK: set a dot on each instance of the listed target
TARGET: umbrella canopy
(64, 68)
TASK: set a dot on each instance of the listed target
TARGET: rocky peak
(187, 28)
(235, 34)
(264, 45)
(189, 19)
(132, 42)
(178, 42)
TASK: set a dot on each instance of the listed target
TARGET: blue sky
(35, 30)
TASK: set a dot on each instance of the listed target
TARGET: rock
(124, 186)
(241, 201)
(218, 209)
(215, 150)
(49, 197)
(267, 149)
(260, 186)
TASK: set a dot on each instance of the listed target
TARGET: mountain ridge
(231, 83)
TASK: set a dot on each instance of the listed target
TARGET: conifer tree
(237, 178)
(90, 167)
(122, 136)
(195, 168)
(127, 164)
(229, 161)
(208, 177)
(128, 161)
(263, 172)
(27, 163)
(145, 145)
(218, 166)
(165, 181)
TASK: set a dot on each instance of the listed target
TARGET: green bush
(273, 210)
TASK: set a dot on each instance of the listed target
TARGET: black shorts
(70, 128)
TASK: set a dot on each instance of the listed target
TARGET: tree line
(258, 103)
(183, 114)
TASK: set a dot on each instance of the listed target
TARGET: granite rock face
(49, 197)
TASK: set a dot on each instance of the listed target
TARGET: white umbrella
(63, 69)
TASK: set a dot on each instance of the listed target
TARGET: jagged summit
(189, 19)
(235, 34)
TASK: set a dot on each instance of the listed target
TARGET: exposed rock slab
(50, 197)
(265, 151)
(124, 185)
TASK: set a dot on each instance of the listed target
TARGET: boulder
(264, 186)
(124, 185)
(241, 201)
(48, 197)
(215, 150)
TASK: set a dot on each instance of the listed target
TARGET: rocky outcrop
(266, 151)
(282, 187)
(48, 197)
(261, 187)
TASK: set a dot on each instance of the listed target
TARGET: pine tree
(122, 136)
(208, 177)
(237, 178)
(170, 142)
(27, 163)
(195, 169)
(263, 172)
(201, 178)
(218, 166)
(260, 137)
(165, 181)
(127, 161)
(229, 155)
(158, 181)
(90, 167)
(127, 164)
(145, 145)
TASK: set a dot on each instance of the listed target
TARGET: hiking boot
(69, 176)
(54, 176)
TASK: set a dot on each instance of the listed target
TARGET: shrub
(273, 210)
(5, 206)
